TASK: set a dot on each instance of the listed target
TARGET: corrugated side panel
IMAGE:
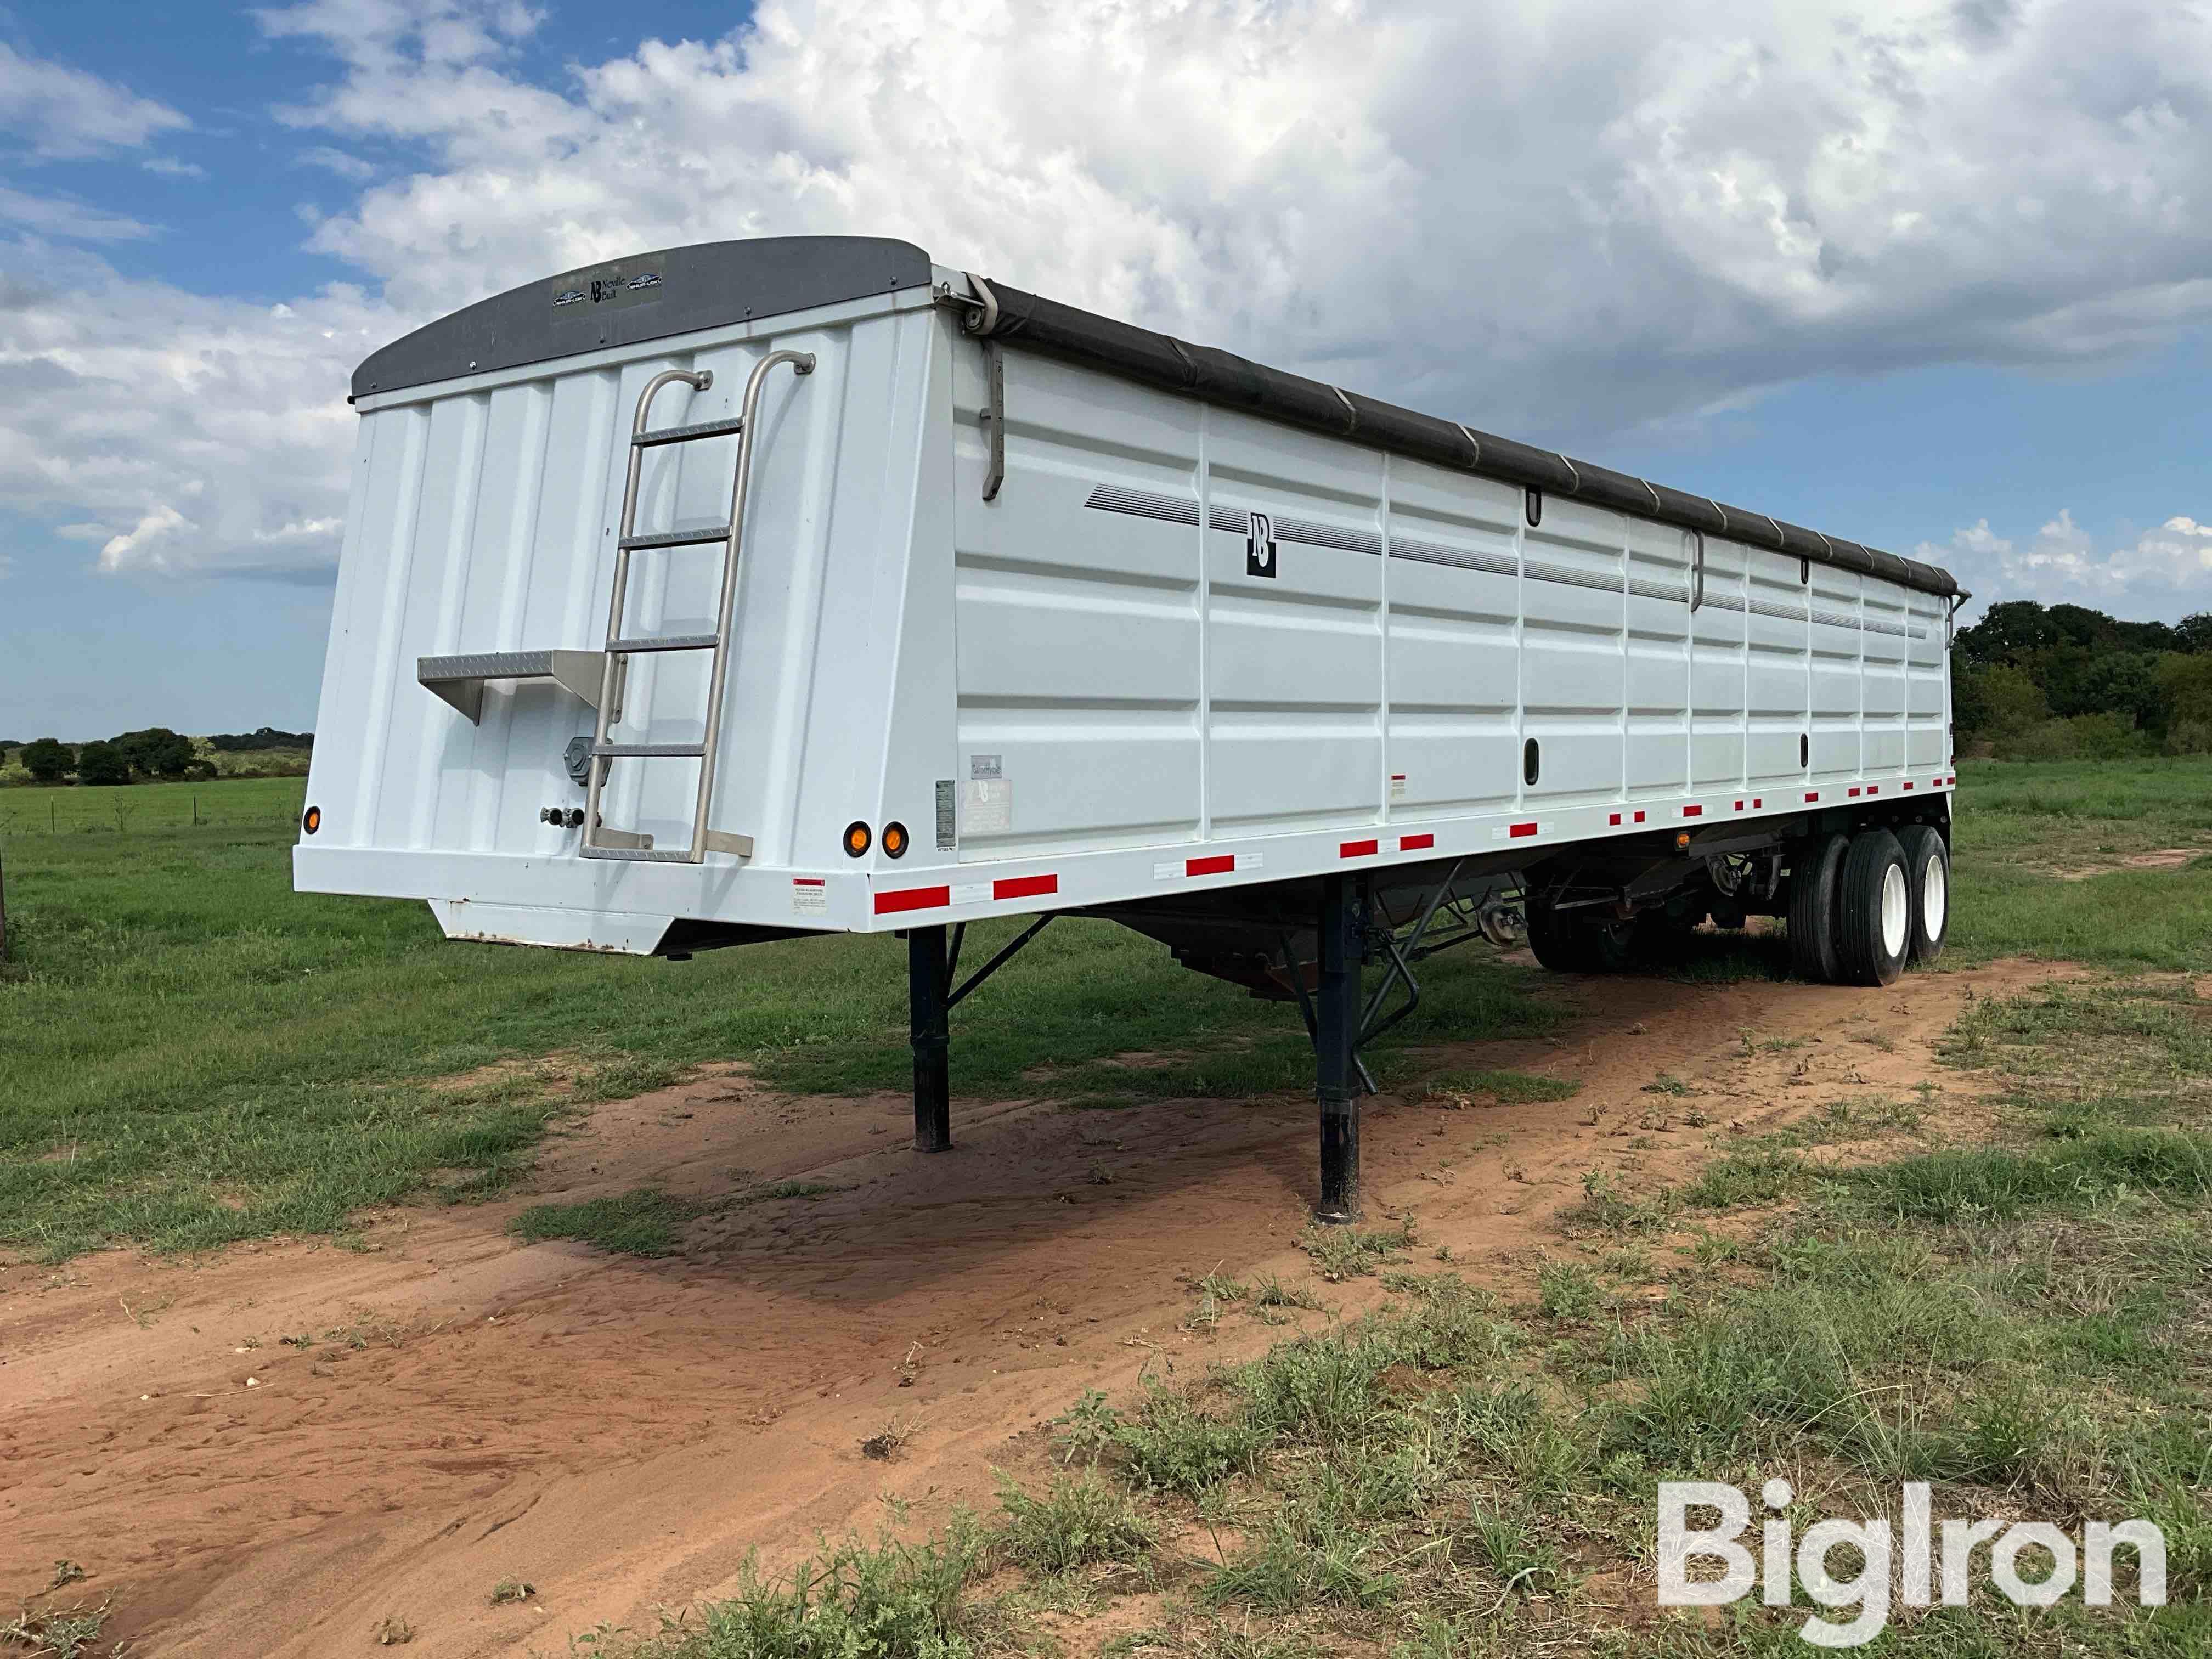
(1176, 622)
(1077, 619)
(484, 520)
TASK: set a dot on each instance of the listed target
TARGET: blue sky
(1930, 275)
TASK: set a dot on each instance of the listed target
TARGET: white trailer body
(1093, 616)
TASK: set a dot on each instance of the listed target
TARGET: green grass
(2017, 821)
(2020, 1319)
(642, 1223)
(229, 803)
(195, 1054)
(1506, 1088)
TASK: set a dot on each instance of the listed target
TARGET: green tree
(102, 762)
(1997, 702)
(156, 752)
(47, 761)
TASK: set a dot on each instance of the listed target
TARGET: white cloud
(1538, 216)
(338, 161)
(2164, 572)
(169, 168)
(52, 216)
(181, 433)
(63, 113)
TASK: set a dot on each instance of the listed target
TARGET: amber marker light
(1682, 841)
(895, 840)
(313, 820)
(857, 838)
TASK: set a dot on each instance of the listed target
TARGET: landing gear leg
(929, 976)
(1336, 1036)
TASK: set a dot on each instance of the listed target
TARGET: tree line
(2032, 681)
(155, 753)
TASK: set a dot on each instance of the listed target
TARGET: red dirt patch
(621, 1433)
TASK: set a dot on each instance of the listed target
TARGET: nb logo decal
(1260, 546)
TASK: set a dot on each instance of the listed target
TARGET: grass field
(195, 1054)
(134, 808)
(2012, 1305)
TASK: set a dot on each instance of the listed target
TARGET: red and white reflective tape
(1614, 819)
(903, 899)
(1693, 811)
(1207, 864)
(1416, 843)
(1521, 831)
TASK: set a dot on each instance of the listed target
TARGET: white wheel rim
(1935, 897)
(1896, 910)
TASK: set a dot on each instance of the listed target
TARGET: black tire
(1551, 937)
(1566, 945)
(1815, 867)
(1928, 879)
(1873, 911)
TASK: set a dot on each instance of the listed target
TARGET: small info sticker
(809, 896)
(987, 807)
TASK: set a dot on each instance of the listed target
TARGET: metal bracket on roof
(1697, 571)
(993, 416)
(1577, 488)
(1348, 408)
(982, 317)
(1951, 618)
(1474, 441)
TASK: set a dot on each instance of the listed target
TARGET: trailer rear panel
(1084, 615)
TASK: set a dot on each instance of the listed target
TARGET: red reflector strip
(1908, 783)
(1220, 865)
(1812, 794)
(1758, 802)
(1874, 789)
(1521, 829)
(1415, 843)
(1024, 887)
(912, 898)
(1358, 849)
(1855, 793)
(1739, 806)
(1639, 818)
(1693, 811)
(1614, 819)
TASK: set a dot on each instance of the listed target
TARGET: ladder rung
(638, 855)
(685, 435)
(719, 532)
(665, 643)
(649, 750)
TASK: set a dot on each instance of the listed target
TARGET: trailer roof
(674, 291)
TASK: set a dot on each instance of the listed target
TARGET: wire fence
(238, 804)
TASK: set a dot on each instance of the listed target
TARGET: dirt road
(621, 1433)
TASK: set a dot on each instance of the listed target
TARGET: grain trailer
(762, 588)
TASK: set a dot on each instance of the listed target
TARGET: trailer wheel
(1928, 875)
(1814, 868)
(1551, 936)
(1566, 945)
(1873, 911)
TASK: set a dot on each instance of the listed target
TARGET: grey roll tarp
(1127, 352)
(683, 290)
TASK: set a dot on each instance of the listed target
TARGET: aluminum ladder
(599, 841)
